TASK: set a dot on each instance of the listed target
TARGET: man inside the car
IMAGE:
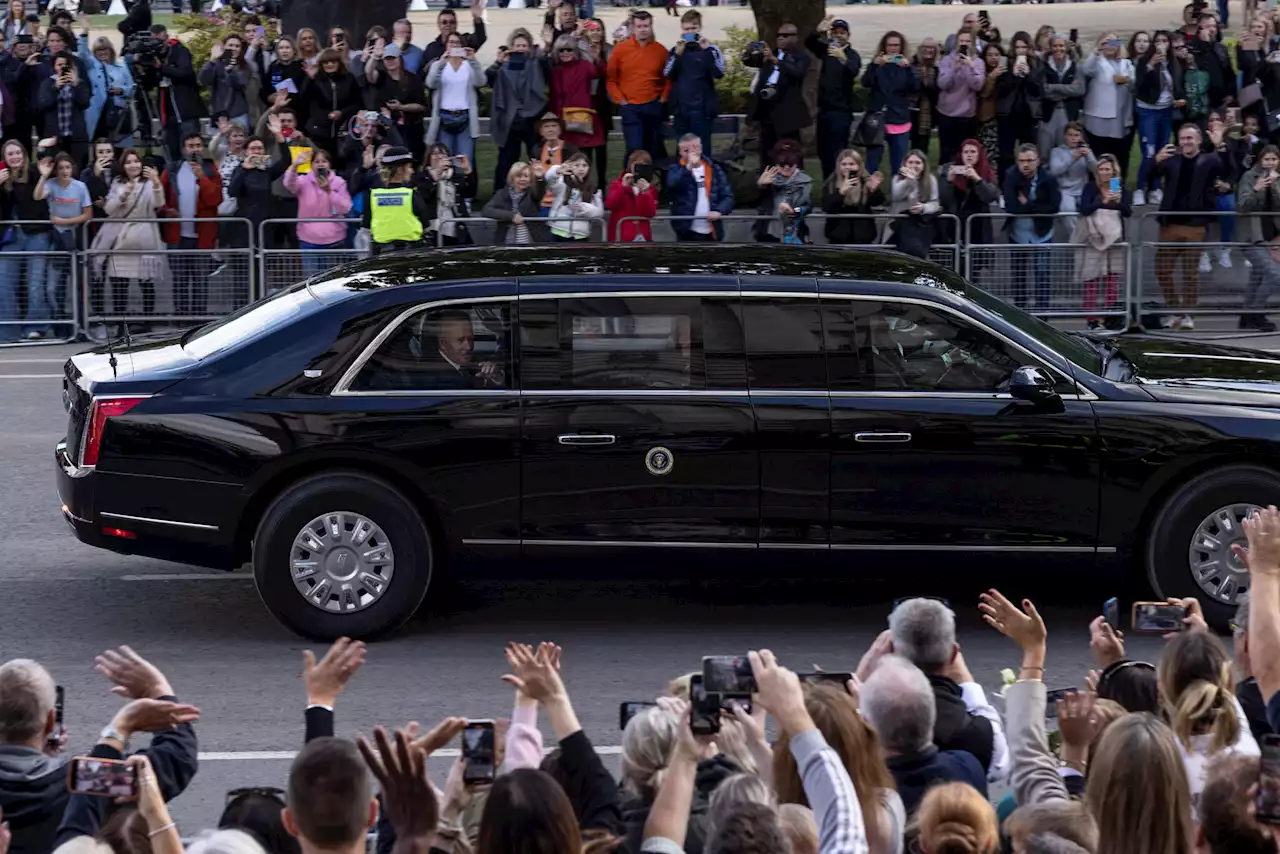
(455, 347)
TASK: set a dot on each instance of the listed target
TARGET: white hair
(897, 700)
(27, 695)
(647, 744)
(225, 842)
(924, 632)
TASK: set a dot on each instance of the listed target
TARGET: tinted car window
(614, 342)
(910, 347)
(784, 343)
(444, 348)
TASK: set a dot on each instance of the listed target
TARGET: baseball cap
(840, 24)
(391, 50)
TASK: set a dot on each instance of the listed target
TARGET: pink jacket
(314, 202)
(524, 739)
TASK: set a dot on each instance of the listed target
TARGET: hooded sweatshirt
(33, 795)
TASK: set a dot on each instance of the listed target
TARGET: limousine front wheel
(342, 554)
(1190, 549)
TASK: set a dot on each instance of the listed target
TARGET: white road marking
(30, 376)
(287, 755)
(189, 576)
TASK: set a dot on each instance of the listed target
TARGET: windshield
(248, 323)
(1078, 351)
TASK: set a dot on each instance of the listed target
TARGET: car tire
(1170, 538)
(347, 492)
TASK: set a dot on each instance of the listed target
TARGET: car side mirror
(1034, 386)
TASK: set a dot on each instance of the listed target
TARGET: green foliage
(199, 32)
(734, 89)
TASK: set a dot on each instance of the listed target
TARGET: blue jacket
(103, 77)
(891, 86)
(682, 190)
(693, 76)
(917, 774)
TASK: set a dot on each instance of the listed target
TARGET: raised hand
(882, 646)
(536, 675)
(135, 677)
(326, 679)
(153, 716)
(408, 798)
(1078, 723)
(1106, 643)
(1021, 625)
(779, 691)
(1262, 530)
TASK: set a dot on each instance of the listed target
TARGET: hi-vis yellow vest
(392, 217)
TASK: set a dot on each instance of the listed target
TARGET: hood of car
(1178, 369)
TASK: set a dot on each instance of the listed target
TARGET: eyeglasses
(261, 791)
(788, 35)
(567, 50)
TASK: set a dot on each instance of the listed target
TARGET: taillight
(99, 412)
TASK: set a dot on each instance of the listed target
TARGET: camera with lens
(145, 46)
(753, 49)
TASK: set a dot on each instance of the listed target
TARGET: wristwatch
(110, 732)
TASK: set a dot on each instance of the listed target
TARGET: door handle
(587, 438)
(883, 438)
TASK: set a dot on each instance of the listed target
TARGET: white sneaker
(1248, 265)
(1205, 265)
(1139, 198)
(1169, 321)
(1157, 196)
(1186, 323)
(1224, 259)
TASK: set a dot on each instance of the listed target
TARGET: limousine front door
(623, 442)
(930, 454)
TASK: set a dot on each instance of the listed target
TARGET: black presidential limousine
(351, 433)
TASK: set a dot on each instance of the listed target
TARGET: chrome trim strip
(343, 386)
(775, 546)
(193, 525)
(1219, 358)
(613, 394)
(633, 543)
(581, 439)
(963, 395)
(66, 511)
(873, 437)
(897, 547)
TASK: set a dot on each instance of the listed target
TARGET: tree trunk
(806, 15)
(357, 16)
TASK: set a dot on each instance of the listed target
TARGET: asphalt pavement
(624, 639)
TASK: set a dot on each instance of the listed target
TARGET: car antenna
(111, 359)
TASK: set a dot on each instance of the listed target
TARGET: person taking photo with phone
(1104, 209)
(322, 195)
(634, 193)
(455, 80)
(779, 104)
(893, 83)
(62, 99)
(840, 67)
(193, 191)
(1158, 90)
(395, 90)
(1107, 115)
(698, 190)
(850, 190)
(960, 77)
(518, 79)
(251, 182)
(693, 67)
(226, 77)
(446, 181)
(1258, 192)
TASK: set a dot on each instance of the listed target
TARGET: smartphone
(1115, 43)
(728, 674)
(104, 778)
(628, 709)
(1051, 699)
(1269, 780)
(457, 51)
(839, 679)
(984, 17)
(704, 709)
(643, 171)
(689, 37)
(55, 737)
(1075, 35)
(457, 162)
(964, 50)
(1004, 62)
(1158, 617)
(260, 32)
(478, 747)
(1111, 610)
(1115, 185)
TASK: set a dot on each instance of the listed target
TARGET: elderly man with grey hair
(898, 701)
(924, 632)
(39, 810)
(1247, 690)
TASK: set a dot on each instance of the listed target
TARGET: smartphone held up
(479, 749)
(104, 778)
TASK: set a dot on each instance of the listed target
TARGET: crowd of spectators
(381, 133)
(903, 753)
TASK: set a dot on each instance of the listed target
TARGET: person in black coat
(61, 100)
(778, 96)
(1018, 90)
(181, 107)
(251, 182)
(850, 190)
(891, 80)
(1211, 56)
(1031, 197)
(18, 72)
(330, 99)
(840, 67)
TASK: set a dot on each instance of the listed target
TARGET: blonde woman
(956, 819)
(1104, 207)
(914, 202)
(514, 205)
(850, 190)
(27, 230)
(128, 248)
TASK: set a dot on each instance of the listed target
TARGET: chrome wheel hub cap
(341, 562)
(1220, 574)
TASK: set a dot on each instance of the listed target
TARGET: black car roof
(423, 266)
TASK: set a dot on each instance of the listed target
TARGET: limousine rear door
(931, 454)
(637, 425)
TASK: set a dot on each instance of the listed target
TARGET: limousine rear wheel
(342, 554)
(1189, 552)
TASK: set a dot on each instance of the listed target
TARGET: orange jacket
(635, 73)
(208, 197)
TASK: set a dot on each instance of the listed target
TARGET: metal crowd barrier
(1055, 279)
(740, 228)
(281, 267)
(482, 231)
(167, 285)
(38, 283)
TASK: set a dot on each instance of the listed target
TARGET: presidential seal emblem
(659, 461)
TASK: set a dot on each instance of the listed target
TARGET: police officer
(395, 213)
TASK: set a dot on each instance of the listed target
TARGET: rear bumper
(79, 490)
